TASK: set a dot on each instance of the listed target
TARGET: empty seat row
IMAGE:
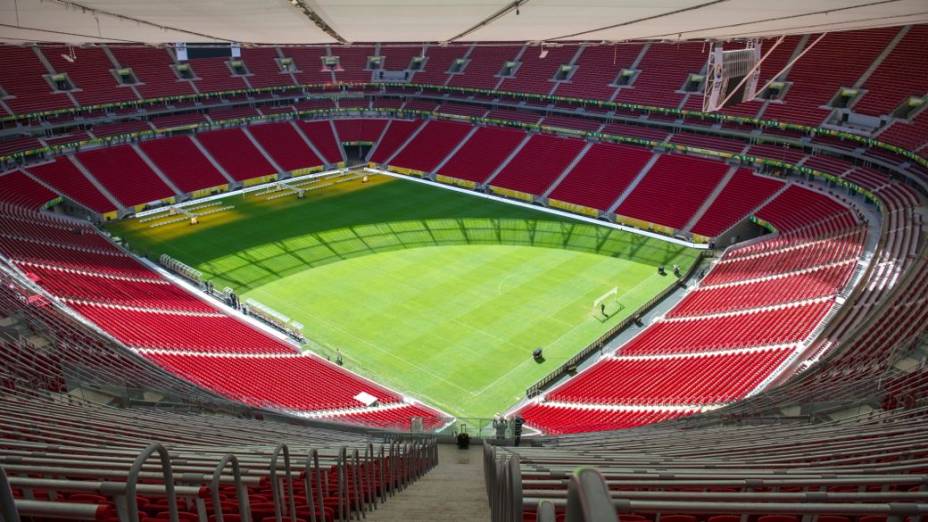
(787, 324)
(708, 379)
(295, 382)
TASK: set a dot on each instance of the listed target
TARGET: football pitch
(438, 294)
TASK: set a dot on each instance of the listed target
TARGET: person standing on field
(500, 424)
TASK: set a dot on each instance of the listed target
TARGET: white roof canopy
(330, 21)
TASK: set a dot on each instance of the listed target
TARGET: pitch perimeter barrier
(571, 364)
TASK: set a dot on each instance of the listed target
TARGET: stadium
(315, 260)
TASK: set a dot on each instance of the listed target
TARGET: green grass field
(438, 294)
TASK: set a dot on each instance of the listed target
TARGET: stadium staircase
(634, 183)
(710, 199)
(453, 490)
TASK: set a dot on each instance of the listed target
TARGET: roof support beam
(68, 4)
(510, 7)
(574, 36)
(748, 23)
(318, 21)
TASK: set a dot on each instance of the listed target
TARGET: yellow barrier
(405, 171)
(448, 180)
(644, 225)
(258, 180)
(509, 193)
(307, 170)
(573, 207)
(202, 193)
(141, 206)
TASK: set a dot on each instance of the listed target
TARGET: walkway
(454, 490)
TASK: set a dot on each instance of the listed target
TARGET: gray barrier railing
(8, 511)
(586, 495)
(353, 498)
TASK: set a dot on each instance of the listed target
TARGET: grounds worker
(517, 428)
(500, 424)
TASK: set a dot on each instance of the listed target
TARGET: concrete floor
(453, 491)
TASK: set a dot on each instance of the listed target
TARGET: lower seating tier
(68, 256)
(285, 145)
(124, 174)
(19, 189)
(399, 419)
(797, 207)
(188, 332)
(151, 293)
(538, 164)
(73, 234)
(561, 419)
(435, 141)
(788, 324)
(479, 157)
(703, 379)
(736, 267)
(603, 173)
(232, 149)
(181, 161)
(806, 285)
(61, 174)
(295, 382)
(742, 194)
(673, 190)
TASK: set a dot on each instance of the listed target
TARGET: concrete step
(411, 137)
(454, 151)
(515, 152)
(634, 184)
(93, 181)
(453, 490)
(213, 160)
(701, 211)
(567, 170)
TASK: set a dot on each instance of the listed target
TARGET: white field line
(576, 217)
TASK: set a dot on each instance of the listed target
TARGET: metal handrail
(370, 496)
(312, 464)
(545, 512)
(8, 512)
(276, 492)
(168, 475)
(356, 485)
(240, 491)
(514, 476)
(588, 498)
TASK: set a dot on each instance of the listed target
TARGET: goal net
(606, 305)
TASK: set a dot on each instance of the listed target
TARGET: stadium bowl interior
(252, 270)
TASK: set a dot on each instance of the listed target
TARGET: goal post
(606, 305)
